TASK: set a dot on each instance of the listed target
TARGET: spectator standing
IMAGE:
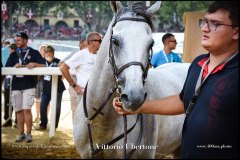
(166, 55)
(47, 86)
(7, 114)
(5, 51)
(39, 87)
(72, 92)
(23, 87)
(82, 62)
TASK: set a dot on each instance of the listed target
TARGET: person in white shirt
(73, 94)
(83, 62)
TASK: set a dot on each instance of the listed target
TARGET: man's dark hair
(229, 6)
(166, 36)
(22, 35)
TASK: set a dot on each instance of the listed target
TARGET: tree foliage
(171, 12)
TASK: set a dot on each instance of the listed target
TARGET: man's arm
(34, 64)
(171, 105)
(64, 68)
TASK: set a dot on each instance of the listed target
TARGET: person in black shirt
(210, 95)
(23, 87)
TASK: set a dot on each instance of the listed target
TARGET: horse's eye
(115, 41)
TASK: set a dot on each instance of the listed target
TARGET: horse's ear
(116, 6)
(154, 8)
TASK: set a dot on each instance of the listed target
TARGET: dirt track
(61, 146)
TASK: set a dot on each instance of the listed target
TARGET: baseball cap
(49, 49)
(7, 40)
(22, 35)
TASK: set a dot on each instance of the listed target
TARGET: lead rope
(125, 136)
(124, 121)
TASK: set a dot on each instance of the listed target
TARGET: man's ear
(25, 41)
(236, 34)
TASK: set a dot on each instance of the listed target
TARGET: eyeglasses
(98, 40)
(173, 41)
(212, 26)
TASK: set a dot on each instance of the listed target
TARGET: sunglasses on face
(98, 40)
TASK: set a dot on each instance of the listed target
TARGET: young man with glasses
(24, 87)
(210, 95)
(166, 55)
(82, 62)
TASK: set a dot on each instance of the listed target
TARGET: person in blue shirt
(5, 52)
(166, 55)
(7, 115)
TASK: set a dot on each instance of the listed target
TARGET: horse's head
(130, 45)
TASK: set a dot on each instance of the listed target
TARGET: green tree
(171, 12)
(99, 10)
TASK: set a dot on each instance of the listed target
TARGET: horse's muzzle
(133, 101)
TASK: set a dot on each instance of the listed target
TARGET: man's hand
(117, 105)
(79, 89)
(18, 65)
(31, 65)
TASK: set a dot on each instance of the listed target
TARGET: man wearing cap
(82, 62)
(23, 87)
(50, 61)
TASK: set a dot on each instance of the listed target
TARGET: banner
(4, 12)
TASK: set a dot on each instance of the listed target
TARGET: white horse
(150, 136)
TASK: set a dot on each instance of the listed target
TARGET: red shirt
(205, 70)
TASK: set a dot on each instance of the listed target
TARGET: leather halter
(116, 72)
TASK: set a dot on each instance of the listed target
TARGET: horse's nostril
(124, 97)
(145, 96)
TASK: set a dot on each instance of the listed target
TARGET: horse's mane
(139, 8)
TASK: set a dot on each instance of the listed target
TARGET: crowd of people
(48, 32)
(25, 89)
(205, 91)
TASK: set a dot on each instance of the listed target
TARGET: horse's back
(166, 80)
(163, 81)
